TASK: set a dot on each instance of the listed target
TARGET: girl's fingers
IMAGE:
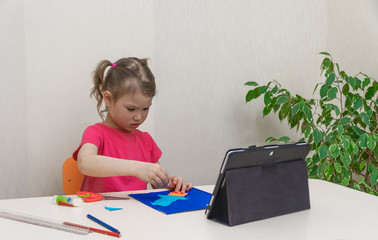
(157, 182)
(162, 177)
(179, 184)
(184, 187)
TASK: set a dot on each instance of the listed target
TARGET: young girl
(114, 155)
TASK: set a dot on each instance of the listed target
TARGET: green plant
(341, 126)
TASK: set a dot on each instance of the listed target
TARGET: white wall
(202, 52)
(207, 51)
(353, 35)
(13, 87)
(54, 47)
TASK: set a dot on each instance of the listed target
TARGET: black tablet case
(262, 191)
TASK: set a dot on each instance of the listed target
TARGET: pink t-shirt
(117, 143)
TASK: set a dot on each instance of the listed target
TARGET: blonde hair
(126, 76)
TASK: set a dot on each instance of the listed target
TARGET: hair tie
(114, 65)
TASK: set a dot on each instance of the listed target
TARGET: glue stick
(68, 201)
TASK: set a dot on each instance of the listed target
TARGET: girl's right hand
(152, 173)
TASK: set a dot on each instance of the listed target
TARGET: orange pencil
(94, 229)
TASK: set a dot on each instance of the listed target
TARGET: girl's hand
(152, 173)
(178, 184)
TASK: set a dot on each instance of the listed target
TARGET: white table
(337, 213)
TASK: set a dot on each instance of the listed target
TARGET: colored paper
(195, 200)
(112, 209)
(166, 200)
(177, 194)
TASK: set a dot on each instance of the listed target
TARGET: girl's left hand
(178, 184)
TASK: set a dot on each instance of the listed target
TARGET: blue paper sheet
(195, 200)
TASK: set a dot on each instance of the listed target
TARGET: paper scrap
(112, 209)
(177, 194)
(166, 200)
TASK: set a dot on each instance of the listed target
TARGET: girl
(114, 155)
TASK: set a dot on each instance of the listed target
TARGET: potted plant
(340, 126)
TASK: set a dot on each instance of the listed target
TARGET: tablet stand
(264, 191)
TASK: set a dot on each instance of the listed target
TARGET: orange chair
(72, 177)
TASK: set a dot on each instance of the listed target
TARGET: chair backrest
(72, 177)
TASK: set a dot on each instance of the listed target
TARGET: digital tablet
(256, 156)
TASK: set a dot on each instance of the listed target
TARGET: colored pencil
(93, 229)
(114, 198)
(102, 223)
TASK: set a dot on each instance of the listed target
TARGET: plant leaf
(270, 139)
(371, 142)
(325, 53)
(365, 82)
(322, 151)
(338, 167)
(315, 158)
(348, 159)
(309, 117)
(321, 169)
(374, 177)
(295, 109)
(267, 98)
(331, 137)
(352, 82)
(356, 186)
(328, 171)
(340, 130)
(345, 159)
(345, 182)
(317, 136)
(250, 95)
(332, 92)
(370, 168)
(263, 89)
(346, 143)
(334, 150)
(267, 110)
(251, 84)
(307, 132)
(323, 91)
(344, 121)
(362, 141)
(330, 79)
(330, 67)
(357, 104)
(275, 89)
(370, 93)
(345, 89)
(256, 92)
(282, 99)
(365, 118)
(284, 139)
(357, 131)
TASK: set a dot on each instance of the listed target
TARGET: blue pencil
(102, 223)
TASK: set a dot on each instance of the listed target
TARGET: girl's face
(128, 112)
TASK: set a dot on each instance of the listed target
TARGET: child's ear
(107, 98)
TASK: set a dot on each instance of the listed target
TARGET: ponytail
(99, 84)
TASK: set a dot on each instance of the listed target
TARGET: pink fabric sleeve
(155, 150)
(90, 135)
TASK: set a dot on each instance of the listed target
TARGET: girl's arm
(92, 164)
